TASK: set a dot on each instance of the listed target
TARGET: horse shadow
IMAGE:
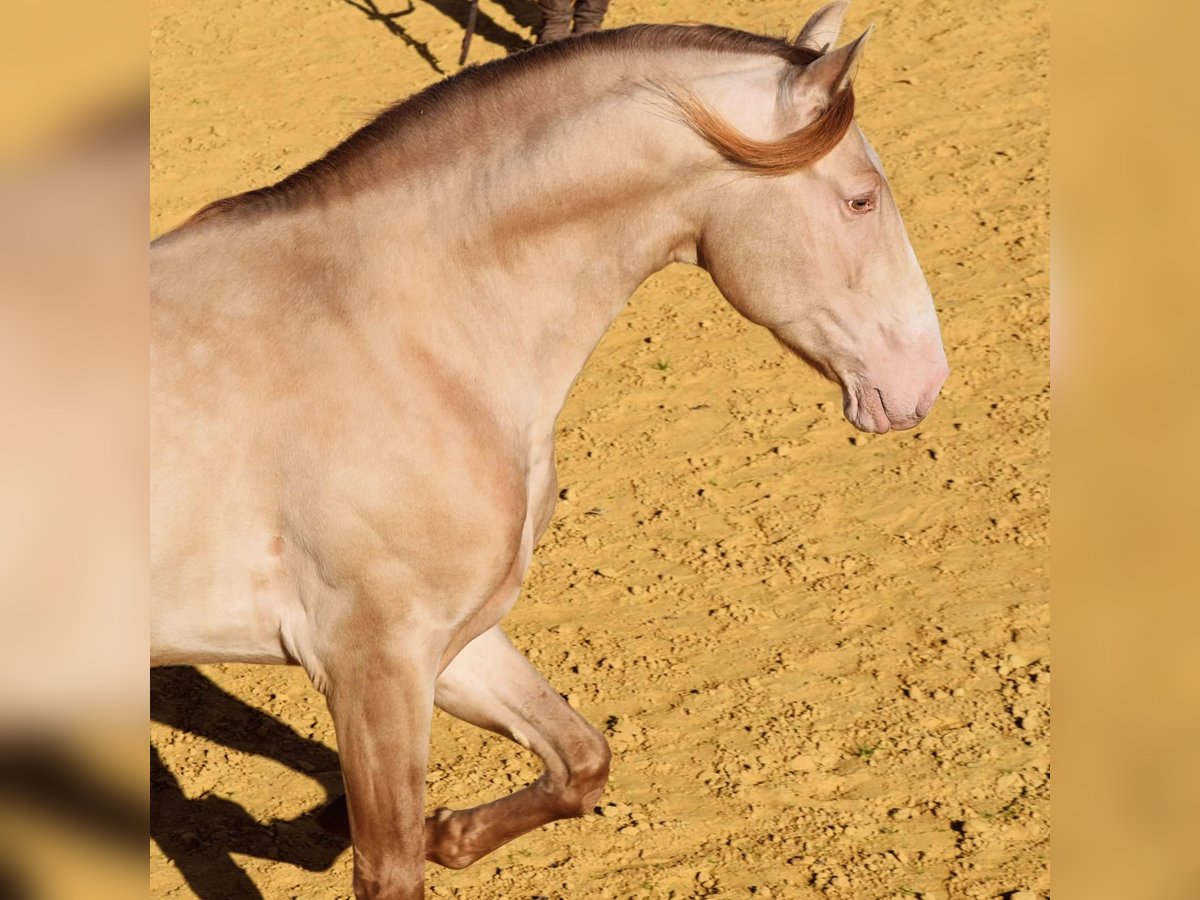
(524, 13)
(51, 778)
(200, 835)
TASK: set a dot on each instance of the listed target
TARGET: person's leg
(589, 15)
(556, 20)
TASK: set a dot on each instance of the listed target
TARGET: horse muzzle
(872, 409)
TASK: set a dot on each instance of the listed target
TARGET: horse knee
(449, 840)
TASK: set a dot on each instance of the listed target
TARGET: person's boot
(556, 20)
(589, 15)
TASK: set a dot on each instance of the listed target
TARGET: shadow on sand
(48, 778)
(524, 12)
(199, 835)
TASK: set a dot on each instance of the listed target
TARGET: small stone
(567, 494)
(974, 826)
(606, 572)
(1023, 895)
(1009, 782)
(801, 764)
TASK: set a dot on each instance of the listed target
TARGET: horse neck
(516, 258)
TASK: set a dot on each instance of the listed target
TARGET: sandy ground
(821, 658)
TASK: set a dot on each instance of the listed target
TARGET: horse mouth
(863, 404)
(865, 409)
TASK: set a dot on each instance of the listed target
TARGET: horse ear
(822, 30)
(828, 75)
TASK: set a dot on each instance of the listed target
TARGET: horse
(356, 374)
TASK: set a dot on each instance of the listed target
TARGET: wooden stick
(466, 44)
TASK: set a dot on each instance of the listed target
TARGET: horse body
(356, 380)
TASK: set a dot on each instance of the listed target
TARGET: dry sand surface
(820, 657)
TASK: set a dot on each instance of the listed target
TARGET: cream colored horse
(357, 372)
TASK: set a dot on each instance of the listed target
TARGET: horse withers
(354, 392)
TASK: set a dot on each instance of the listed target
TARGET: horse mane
(791, 153)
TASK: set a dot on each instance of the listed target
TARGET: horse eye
(862, 204)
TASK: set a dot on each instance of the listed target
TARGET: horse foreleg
(381, 700)
(492, 685)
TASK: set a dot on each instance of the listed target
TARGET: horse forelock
(791, 153)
